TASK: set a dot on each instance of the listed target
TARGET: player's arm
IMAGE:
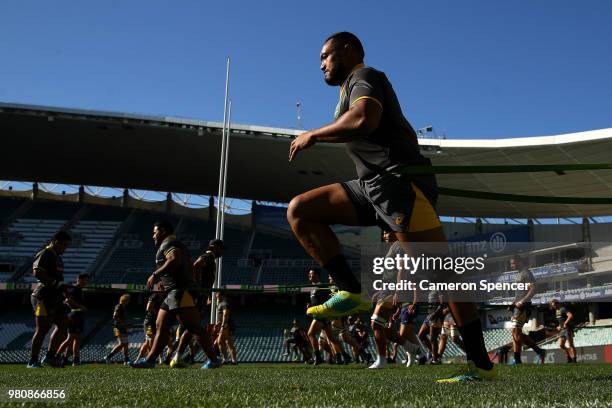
(40, 273)
(570, 317)
(415, 299)
(171, 264)
(117, 318)
(360, 120)
(528, 296)
(73, 303)
(225, 317)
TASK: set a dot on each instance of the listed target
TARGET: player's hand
(302, 142)
(519, 305)
(151, 282)
(411, 309)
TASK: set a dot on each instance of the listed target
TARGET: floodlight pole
(221, 190)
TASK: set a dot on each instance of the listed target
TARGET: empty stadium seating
(93, 238)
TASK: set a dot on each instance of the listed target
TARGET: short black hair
(83, 276)
(62, 236)
(315, 270)
(344, 37)
(165, 225)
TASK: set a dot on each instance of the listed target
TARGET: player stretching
(120, 329)
(380, 141)
(521, 311)
(565, 321)
(47, 298)
(175, 271)
(76, 319)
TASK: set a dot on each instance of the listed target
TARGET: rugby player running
(379, 139)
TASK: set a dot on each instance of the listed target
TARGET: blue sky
(469, 68)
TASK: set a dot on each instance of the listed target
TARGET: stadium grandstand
(263, 264)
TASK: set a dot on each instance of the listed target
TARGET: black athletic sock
(517, 356)
(537, 349)
(475, 348)
(339, 269)
(347, 358)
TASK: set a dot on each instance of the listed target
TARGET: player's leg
(465, 314)
(160, 340)
(118, 347)
(59, 334)
(146, 345)
(313, 330)
(407, 334)
(231, 345)
(456, 337)
(190, 318)
(516, 344)
(442, 341)
(563, 346)
(423, 335)
(66, 344)
(42, 328)
(310, 216)
(570, 343)
(76, 349)
(126, 349)
(334, 343)
(184, 340)
(529, 342)
(434, 338)
(378, 323)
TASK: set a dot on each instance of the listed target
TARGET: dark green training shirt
(183, 276)
(50, 262)
(394, 142)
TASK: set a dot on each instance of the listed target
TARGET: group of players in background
(179, 289)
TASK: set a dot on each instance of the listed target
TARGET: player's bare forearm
(168, 266)
(357, 122)
(530, 293)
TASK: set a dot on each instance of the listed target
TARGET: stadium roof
(68, 146)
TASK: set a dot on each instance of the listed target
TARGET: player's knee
(294, 209)
(377, 322)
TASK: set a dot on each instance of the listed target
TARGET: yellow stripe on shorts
(424, 216)
(41, 310)
(186, 300)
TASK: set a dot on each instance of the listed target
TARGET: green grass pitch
(254, 385)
